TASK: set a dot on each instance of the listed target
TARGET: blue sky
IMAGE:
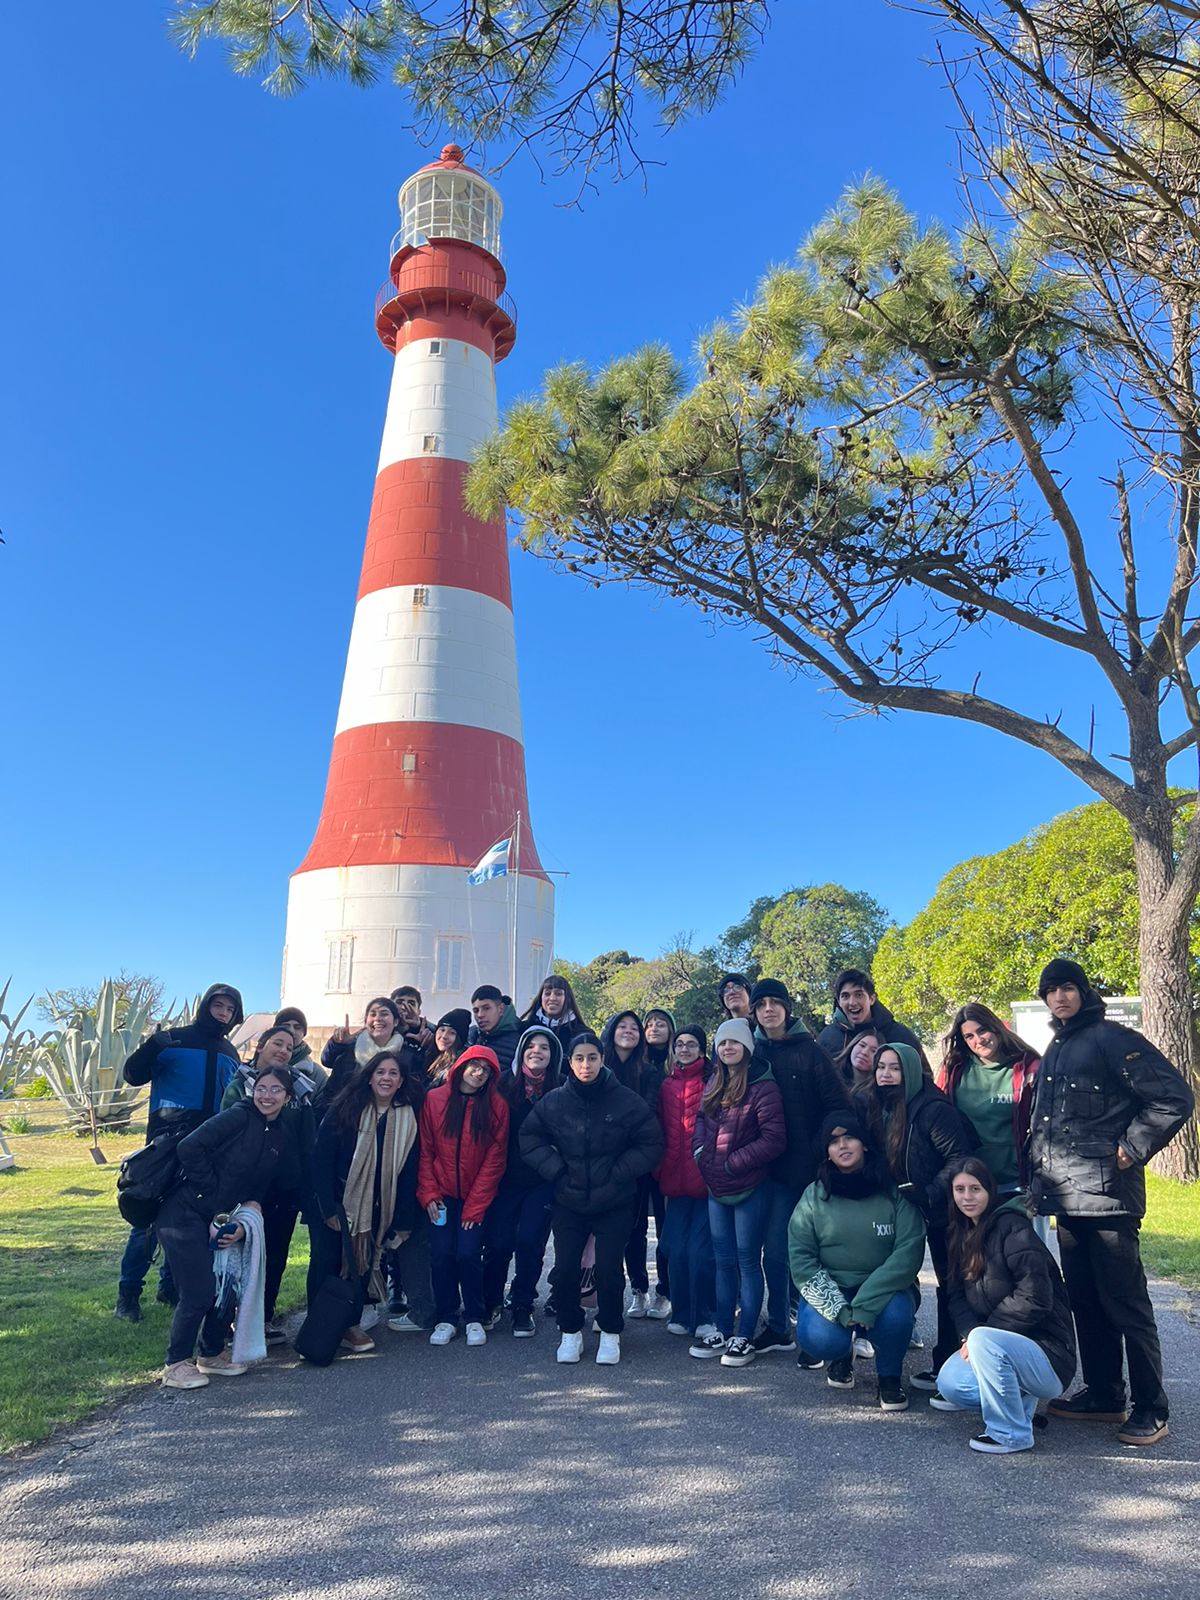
(189, 427)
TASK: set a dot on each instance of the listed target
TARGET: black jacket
(592, 1142)
(1021, 1291)
(518, 1175)
(331, 1161)
(810, 1087)
(836, 1035)
(231, 1158)
(503, 1037)
(936, 1135)
(1101, 1084)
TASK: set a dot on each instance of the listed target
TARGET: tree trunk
(1163, 922)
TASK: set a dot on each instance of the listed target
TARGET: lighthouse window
(537, 961)
(435, 347)
(430, 444)
(447, 963)
(341, 961)
(409, 761)
(449, 205)
(420, 595)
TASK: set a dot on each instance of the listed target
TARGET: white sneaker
(609, 1352)
(678, 1329)
(658, 1307)
(444, 1332)
(864, 1349)
(637, 1306)
(187, 1375)
(570, 1347)
(369, 1317)
(475, 1333)
(404, 1324)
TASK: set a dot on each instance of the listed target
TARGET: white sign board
(1031, 1019)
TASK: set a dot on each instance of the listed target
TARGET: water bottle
(440, 1220)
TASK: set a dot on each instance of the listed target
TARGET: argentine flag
(494, 863)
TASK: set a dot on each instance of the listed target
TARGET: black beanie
(1060, 971)
(459, 1020)
(698, 1034)
(771, 989)
(291, 1014)
(742, 981)
(848, 1119)
(486, 991)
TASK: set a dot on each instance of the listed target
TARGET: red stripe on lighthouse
(464, 792)
(419, 532)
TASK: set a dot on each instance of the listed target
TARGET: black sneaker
(892, 1396)
(768, 1340)
(738, 1353)
(128, 1308)
(924, 1380)
(1084, 1407)
(522, 1323)
(841, 1374)
(992, 1447)
(167, 1297)
(491, 1318)
(809, 1362)
(1145, 1426)
(938, 1402)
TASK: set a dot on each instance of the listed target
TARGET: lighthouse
(428, 766)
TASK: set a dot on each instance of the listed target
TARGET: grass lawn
(62, 1352)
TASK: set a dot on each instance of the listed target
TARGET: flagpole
(516, 905)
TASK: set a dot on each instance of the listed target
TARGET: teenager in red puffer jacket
(464, 1147)
(686, 1241)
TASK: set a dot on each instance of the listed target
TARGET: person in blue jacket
(188, 1070)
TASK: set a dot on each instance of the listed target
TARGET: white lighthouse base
(357, 932)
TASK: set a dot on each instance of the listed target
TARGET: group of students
(794, 1182)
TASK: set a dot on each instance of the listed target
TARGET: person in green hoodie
(856, 1246)
(495, 1024)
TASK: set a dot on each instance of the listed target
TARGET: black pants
(517, 1223)
(948, 1341)
(649, 1200)
(1102, 1266)
(183, 1233)
(571, 1230)
(279, 1224)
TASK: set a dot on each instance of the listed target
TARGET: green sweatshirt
(849, 1257)
(985, 1097)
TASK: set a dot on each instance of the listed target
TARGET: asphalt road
(423, 1473)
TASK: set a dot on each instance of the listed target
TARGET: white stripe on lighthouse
(442, 402)
(434, 654)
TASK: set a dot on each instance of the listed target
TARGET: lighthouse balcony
(436, 294)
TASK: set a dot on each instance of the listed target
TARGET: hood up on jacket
(554, 1066)
(910, 1066)
(608, 1048)
(474, 1052)
(205, 1020)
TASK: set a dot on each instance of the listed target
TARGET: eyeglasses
(269, 1088)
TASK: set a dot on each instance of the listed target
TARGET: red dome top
(454, 158)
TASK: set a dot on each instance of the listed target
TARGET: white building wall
(394, 918)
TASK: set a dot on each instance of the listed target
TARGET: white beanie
(735, 1028)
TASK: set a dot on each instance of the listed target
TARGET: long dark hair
(957, 1053)
(483, 1107)
(268, 1033)
(627, 1072)
(964, 1238)
(886, 1132)
(348, 1105)
(556, 981)
(874, 1169)
(842, 1060)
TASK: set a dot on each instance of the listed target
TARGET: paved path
(425, 1473)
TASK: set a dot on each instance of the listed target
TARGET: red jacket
(678, 1102)
(460, 1166)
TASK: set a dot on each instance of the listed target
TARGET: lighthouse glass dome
(450, 205)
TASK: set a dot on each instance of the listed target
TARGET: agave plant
(83, 1058)
(18, 1046)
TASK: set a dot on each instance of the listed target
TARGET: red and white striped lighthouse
(428, 766)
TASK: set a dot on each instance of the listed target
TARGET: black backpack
(146, 1178)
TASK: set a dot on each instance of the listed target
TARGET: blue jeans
(688, 1247)
(456, 1266)
(781, 1292)
(518, 1222)
(890, 1333)
(737, 1240)
(140, 1249)
(1005, 1375)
